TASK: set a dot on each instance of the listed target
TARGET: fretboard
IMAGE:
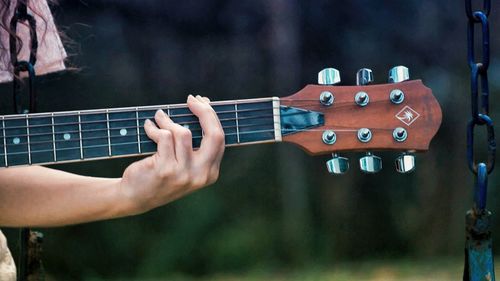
(46, 138)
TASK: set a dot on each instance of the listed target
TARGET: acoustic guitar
(401, 115)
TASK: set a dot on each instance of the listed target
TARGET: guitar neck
(57, 137)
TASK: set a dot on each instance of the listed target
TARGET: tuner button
(364, 76)
(337, 165)
(398, 74)
(329, 76)
(405, 163)
(370, 163)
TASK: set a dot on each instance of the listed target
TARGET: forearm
(38, 196)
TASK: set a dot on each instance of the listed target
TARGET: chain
(30, 266)
(478, 250)
(21, 15)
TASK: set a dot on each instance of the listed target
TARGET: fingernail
(147, 121)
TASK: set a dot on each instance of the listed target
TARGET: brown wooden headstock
(419, 114)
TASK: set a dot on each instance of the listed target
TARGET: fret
(146, 144)
(227, 117)
(80, 134)
(94, 134)
(4, 142)
(236, 120)
(28, 138)
(41, 139)
(109, 135)
(16, 141)
(137, 130)
(256, 121)
(53, 137)
(67, 137)
(184, 117)
(122, 133)
(277, 119)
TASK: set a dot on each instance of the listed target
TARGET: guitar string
(105, 137)
(49, 126)
(83, 113)
(117, 129)
(196, 129)
(149, 141)
(133, 134)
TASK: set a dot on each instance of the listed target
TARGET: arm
(38, 196)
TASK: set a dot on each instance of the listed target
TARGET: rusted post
(479, 264)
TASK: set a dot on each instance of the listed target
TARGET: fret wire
(130, 119)
(137, 125)
(97, 138)
(54, 138)
(4, 142)
(109, 137)
(80, 134)
(237, 125)
(28, 138)
(149, 141)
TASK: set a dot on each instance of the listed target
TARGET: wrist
(127, 201)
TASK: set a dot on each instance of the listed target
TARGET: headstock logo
(407, 115)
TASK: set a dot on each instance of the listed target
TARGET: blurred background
(275, 213)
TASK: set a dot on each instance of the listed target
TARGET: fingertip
(200, 98)
(159, 113)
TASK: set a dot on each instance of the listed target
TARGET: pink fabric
(51, 53)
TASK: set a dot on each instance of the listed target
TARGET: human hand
(175, 169)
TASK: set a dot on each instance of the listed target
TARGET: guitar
(402, 115)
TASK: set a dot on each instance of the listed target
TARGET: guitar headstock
(402, 115)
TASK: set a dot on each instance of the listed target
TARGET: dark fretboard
(45, 138)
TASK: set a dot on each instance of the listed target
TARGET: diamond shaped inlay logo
(407, 115)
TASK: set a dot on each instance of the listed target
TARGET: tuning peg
(398, 74)
(405, 163)
(337, 165)
(329, 76)
(364, 76)
(370, 163)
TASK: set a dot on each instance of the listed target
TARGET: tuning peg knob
(405, 163)
(329, 76)
(370, 163)
(399, 74)
(337, 165)
(364, 76)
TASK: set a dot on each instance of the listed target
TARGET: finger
(183, 139)
(206, 100)
(212, 144)
(163, 140)
(163, 120)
